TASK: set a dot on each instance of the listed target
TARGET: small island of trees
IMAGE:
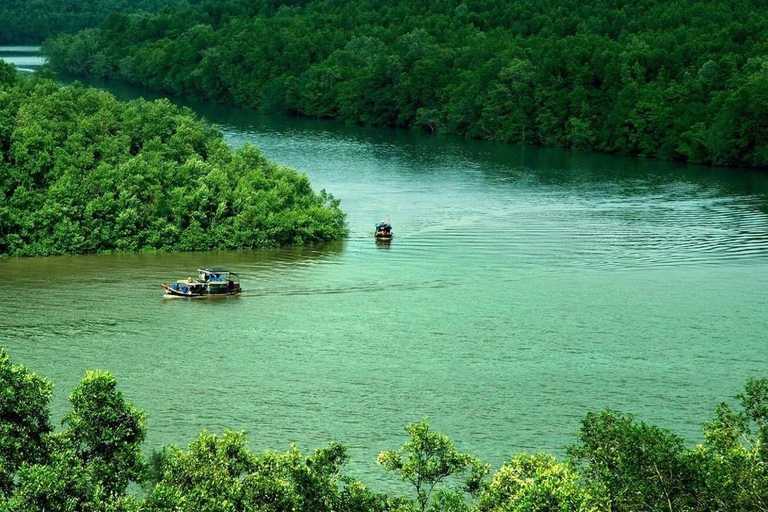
(81, 172)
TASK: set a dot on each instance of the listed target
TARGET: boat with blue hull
(210, 282)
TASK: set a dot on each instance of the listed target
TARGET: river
(523, 288)
(25, 58)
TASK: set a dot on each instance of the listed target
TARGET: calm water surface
(524, 287)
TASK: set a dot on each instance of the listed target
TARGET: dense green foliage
(24, 398)
(619, 464)
(81, 172)
(428, 459)
(86, 466)
(683, 80)
(31, 21)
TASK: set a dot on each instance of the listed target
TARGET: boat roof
(216, 271)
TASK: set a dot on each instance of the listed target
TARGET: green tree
(87, 466)
(31, 21)
(219, 473)
(733, 460)
(535, 483)
(632, 465)
(105, 433)
(24, 420)
(429, 459)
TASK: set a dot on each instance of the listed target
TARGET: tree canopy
(682, 80)
(617, 464)
(24, 22)
(81, 172)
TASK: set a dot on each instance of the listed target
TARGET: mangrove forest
(82, 172)
(29, 22)
(677, 80)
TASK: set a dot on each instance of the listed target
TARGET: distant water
(25, 58)
(20, 49)
(523, 288)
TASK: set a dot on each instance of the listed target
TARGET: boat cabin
(383, 230)
(219, 280)
(187, 287)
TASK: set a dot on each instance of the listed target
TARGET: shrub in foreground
(618, 464)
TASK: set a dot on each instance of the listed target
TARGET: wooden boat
(210, 282)
(383, 231)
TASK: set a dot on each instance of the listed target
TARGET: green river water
(524, 287)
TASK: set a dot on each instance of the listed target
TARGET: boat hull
(170, 293)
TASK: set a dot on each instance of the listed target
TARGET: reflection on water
(525, 286)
